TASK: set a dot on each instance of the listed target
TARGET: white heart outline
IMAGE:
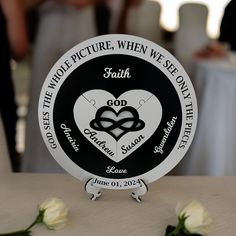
(118, 150)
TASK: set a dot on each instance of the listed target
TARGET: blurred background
(200, 33)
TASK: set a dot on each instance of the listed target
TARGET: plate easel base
(90, 188)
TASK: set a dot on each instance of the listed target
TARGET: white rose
(198, 220)
(55, 213)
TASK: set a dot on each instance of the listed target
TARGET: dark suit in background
(7, 101)
(227, 28)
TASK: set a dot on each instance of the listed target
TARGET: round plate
(117, 108)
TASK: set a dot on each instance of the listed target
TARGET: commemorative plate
(117, 108)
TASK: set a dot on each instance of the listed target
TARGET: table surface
(115, 213)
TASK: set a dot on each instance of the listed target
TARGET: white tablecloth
(115, 213)
(213, 151)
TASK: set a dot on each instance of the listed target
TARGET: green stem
(180, 226)
(38, 220)
(176, 230)
(26, 232)
(17, 233)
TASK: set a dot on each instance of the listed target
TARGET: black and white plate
(117, 108)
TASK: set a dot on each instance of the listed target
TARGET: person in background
(227, 37)
(123, 18)
(105, 11)
(62, 25)
(13, 44)
(102, 14)
(227, 30)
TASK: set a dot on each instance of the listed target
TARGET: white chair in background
(144, 21)
(5, 166)
(191, 35)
